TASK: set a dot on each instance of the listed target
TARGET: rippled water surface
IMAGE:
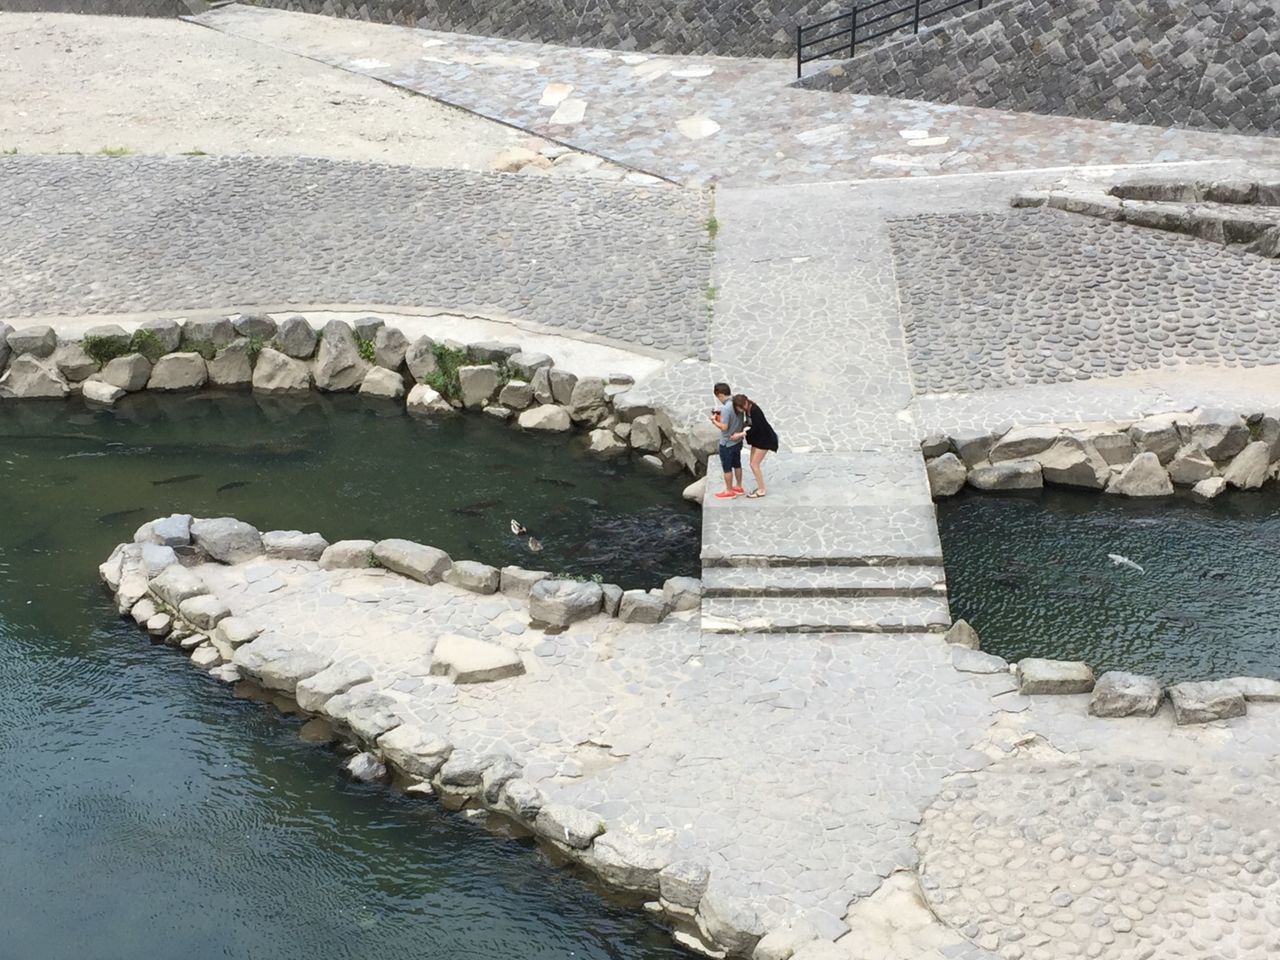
(1031, 573)
(148, 813)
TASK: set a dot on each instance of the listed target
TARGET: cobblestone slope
(100, 235)
(1046, 297)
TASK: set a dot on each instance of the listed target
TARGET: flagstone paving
(704, 119)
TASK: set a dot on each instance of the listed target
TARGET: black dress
(760, 435)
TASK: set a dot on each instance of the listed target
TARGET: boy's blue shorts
(731, 457)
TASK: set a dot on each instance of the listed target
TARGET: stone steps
(865, 614)
(824, 580)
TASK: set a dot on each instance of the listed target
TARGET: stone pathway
(705, 119)
(817, 777)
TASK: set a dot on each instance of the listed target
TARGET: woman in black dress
(760, 437)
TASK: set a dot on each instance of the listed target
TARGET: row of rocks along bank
(1205, 449)
(1116, 693)
(552, 602)
(368, 357)
(156, 579)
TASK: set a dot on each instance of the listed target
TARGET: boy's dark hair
(722, 390)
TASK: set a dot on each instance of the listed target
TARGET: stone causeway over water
(801, 755)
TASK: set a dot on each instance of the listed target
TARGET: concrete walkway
(708, 119)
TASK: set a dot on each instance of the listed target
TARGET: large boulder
(562, 602)
(171, 531)
(347, 554)
(38, 341)
(293, 545)
(641, 606)
(1008, 475)
(1219, 433)
(417, 752)
(478, 384)
(632, 405)
(1120, 694)
(203, 612)
(1248, 470)
(227, 539)
(518, 582)
(568, 825)
(208, 334)
(1072, 462)
(389, 348)
(561, 383)
(1114, 445)
(30, 378)
(630, 861)
(382, 382)
(1206, 701)
(947, 475)
(338, 366)
(1157, 434)
(1190, 465)
(1143, 477)
(175, 584)
(130, 372)
(474, 576)
(588, 403)
(423, 401)
(101, 394)
(516, 395)
(163, 336)
(178, 371)
(108, 338)
(5, 349)
(603, 442)
(277, 372)
(525, 364)
(232, 367)
(729, 921)
(646, 435)
(492, 351)
(682, 883)
(467, 660)
(73, 363)
(962, 634)
(257, 325)
(1208, 489)
(414, 560)
(1023, 442)
(545, 417)
(1037, 675)
(296, 338)
(683, 593)
(420, 358)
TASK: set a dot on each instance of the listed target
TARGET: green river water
(149, 813)
(1032, 574)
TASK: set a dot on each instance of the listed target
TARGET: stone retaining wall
(1213, 66)
(756, 28)
(254, 352)
(1205, 449)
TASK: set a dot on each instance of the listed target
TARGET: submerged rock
(367, 768)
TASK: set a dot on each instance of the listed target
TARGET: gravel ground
(75, 83)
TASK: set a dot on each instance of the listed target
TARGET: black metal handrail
(858, 26)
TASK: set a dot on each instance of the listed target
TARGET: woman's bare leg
(757, 458)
